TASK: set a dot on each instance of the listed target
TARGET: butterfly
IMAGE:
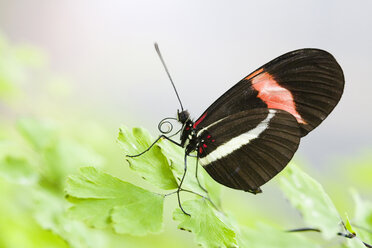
(251, 132)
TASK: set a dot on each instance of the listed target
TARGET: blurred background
(106, 50)
(89, 67)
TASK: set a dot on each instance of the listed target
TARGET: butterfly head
(183, 116)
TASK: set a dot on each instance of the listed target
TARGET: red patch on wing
(253, 74)
(274, 95)
(199, 120)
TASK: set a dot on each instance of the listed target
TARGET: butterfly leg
(196, 172)
(179, 187)
(160, 137)
(196, 175)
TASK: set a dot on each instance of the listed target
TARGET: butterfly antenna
(166, 70)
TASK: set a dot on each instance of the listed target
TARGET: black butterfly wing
(308, 83)
(247, 149)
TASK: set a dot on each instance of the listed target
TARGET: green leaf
(309, 197)
(40, 134)
(163, 164)
(57, 155)
(102, 201)
(208, 225)
(17, 170)
(14, 166)
(50, 213)
(348, 225)
(264, 236)
(65, 156)
(362, 218)
(175, 154)
(214, 189)
(152, 165)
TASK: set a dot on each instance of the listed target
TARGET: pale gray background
(106, 47)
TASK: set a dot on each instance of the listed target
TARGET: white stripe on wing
(237, 142)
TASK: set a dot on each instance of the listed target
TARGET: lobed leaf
(102, 201)
(309, 197)
(208, 225)
(175, 156)
(49, 212)
(163, 165)
(152, 165)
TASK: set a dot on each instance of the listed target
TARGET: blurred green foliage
(48, 155)
(15, 61)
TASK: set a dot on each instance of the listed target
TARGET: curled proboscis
(166, 123)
